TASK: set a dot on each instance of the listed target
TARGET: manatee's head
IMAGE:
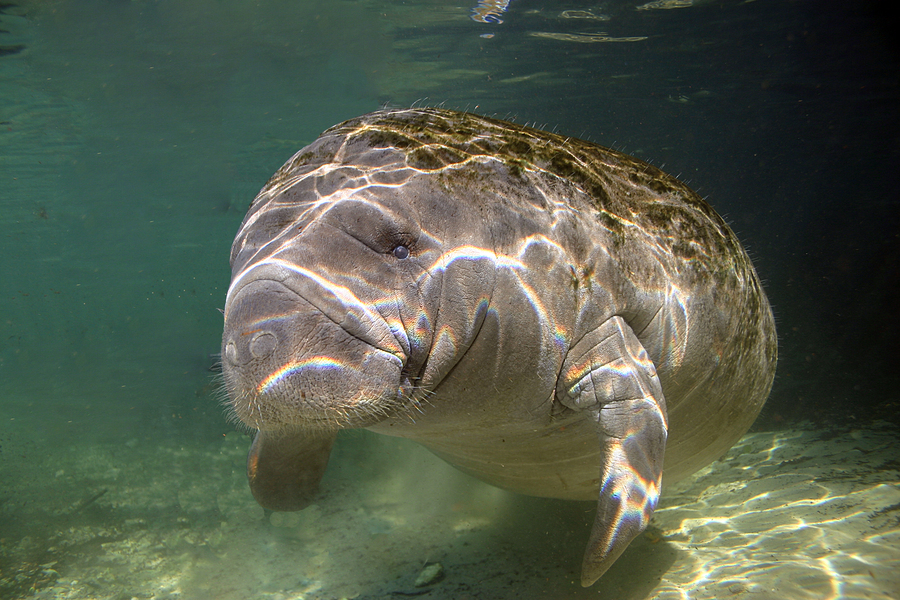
(358, 278)
(317, 313)
(366, 266)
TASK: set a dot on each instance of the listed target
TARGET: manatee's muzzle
(286, 364)
(274, 277)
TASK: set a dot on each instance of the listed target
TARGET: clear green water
(133, 135)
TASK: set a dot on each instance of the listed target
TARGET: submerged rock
(430, 575)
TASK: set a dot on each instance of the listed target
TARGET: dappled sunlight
(817, 519)
(801, 516)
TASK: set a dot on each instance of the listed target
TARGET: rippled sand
(790, 514)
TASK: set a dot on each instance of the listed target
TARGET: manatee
(550, 316)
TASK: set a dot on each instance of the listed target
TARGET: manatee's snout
(255, 326)
(244, 346)
(254, 330)
(256, 342)
(286, 363)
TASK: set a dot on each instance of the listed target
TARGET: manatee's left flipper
(609, 373)
(284, 468)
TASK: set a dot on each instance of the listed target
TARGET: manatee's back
(695, 301)
(687, 288)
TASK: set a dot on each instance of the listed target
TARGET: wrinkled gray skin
(550, 316)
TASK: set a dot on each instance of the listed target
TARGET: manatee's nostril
(231, 353)
(262, 345)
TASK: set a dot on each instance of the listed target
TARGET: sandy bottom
(791, 514)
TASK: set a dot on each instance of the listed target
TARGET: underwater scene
(371, 299)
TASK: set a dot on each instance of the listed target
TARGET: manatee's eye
(401, 252)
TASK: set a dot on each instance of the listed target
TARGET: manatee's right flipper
(609, 374)
(285, 468)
